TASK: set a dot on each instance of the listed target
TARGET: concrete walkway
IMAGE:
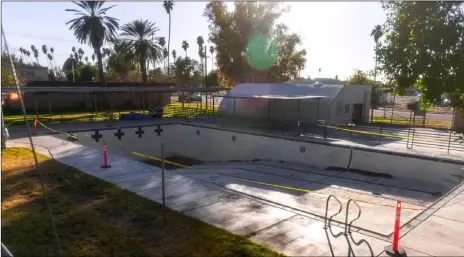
(272, 225)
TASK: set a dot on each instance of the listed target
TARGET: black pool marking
(119, 134)
(97, 136)
(139, 132)
(158, 130)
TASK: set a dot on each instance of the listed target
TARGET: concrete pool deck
(278, 218)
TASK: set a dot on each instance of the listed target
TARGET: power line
(42, 37)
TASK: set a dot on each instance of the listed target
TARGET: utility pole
(72, 64)
(206, 68)
(4, 135)
(206, 65)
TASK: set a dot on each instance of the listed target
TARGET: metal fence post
(325, 132)
(449, 141)
(412, 140)
(380, 136)
(162, 184)
(407, 142)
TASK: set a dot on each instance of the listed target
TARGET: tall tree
(165, 55)
(119, 61)
(211, 50)
(168, 5)
(45, 52)
(201, 51)
(162, 42)
(376, 33)
(94, 27)
(188, 71)
(251, 45)
(80, 52)
(174, 54)
(52, 50)
(36, 53)
(22, 51)
(185, 46)
(136, 36)
(28, 54)
(424, 47)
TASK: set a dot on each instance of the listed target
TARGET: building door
(357, 113)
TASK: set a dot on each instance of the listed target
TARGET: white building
(298, 102)
(33, 73)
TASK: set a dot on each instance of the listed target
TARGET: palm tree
(162, 42)
(45, 52)
(28, 55)
(185, 46)
(106, 52)
(36, 55)
(174, 54)
(94, 27)
(80, 52)
(50, 58)
(377, 34)
(211, 50)
(137, 41)
(73, 49)
(168, 5)
(200, 42)
(21, 50)
(165, 55)
(52, 50)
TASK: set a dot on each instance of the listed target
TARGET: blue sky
(335, 35)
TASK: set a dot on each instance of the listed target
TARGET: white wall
(217, 145)
(349, 95)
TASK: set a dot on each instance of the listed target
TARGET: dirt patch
(362, 172)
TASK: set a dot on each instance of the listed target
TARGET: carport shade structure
(286, 102)
(270, 98)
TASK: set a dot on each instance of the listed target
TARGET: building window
(347, 108)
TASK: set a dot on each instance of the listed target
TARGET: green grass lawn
(172, 110)
(95, 218)
(428, 123)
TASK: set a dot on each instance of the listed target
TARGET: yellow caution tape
(267, 184)
(60, 132)
(384, 134)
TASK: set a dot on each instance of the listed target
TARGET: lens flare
(261, 52)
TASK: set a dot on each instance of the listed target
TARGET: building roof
(284, 91)
(270, 97)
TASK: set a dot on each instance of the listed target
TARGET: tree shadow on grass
(94, 217)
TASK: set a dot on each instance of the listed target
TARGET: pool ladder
(347, 229)
(347, 225)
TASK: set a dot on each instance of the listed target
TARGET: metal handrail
(6, 252)
(327, 209)
(348, 227)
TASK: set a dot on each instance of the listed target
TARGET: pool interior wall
(211, 144)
